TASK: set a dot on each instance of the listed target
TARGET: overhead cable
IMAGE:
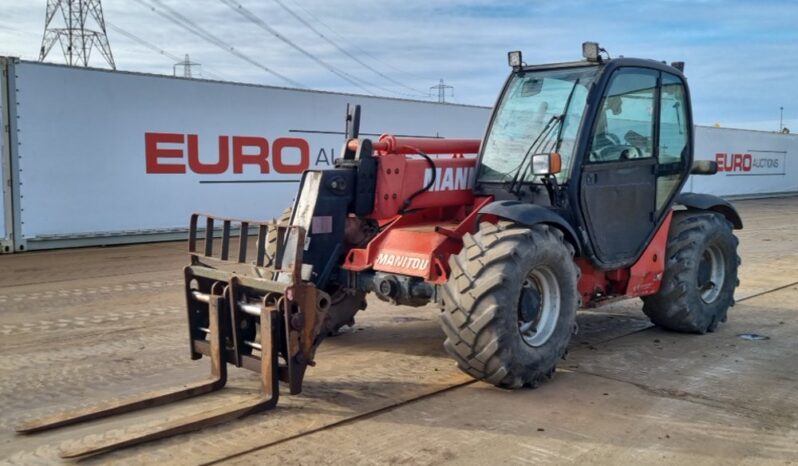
(243, 11)
(354, 46)
(342, 49)
(190, 26)
(155, 48)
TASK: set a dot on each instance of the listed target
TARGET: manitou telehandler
(573, 199)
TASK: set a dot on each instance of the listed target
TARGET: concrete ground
(78, 326)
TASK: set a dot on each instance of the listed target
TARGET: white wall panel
(82, 150)
(4, 231)
(750, 162)
(82, 135)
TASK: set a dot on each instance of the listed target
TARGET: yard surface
(83, 325)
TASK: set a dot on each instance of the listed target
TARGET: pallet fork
(257, 315)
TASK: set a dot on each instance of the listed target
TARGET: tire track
(66, 323)
(89, 291)
(37, 382)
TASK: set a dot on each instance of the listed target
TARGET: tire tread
(472, 300)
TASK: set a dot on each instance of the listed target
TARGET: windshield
(531, 101)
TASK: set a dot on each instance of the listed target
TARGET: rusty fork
(225, 308)
(137, 434)
(217, 380)
(148, 432)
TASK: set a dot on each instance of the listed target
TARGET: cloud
(740, 56)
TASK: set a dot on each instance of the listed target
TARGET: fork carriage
(249, 290)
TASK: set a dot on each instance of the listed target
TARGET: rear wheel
(509, 306)
(700, 274)
(344, 303)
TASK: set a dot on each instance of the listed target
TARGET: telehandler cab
(573, 199)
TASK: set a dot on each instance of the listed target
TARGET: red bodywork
(417, 239)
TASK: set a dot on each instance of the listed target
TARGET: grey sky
(741, 56)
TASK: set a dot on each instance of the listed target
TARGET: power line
(240, 9)
(143, 42)
(195, 29)
(341, 49)
(340, 36)
(156, 49)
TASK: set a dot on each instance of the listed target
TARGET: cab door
(618, 184)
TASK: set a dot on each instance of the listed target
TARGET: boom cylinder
(389, 144)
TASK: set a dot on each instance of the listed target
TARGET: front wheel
(509, 306)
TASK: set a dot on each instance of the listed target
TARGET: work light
(590, 50)
(514, 59)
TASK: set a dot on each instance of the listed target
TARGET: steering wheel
(606, 139)
(617, 152)
(613, 137)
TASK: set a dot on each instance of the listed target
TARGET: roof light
(514, 59)
(591, 50)
(679, 65)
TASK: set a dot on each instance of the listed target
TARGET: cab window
(624, 129)
(673, 137)
(673, 121)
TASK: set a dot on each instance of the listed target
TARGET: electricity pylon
(77, 35)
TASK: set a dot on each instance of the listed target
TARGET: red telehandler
(573, 198)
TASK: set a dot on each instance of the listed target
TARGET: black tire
(687, 301)
(481, 303)
(271, 237)
(344, 304)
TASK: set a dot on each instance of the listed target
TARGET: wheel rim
(711, 273)
(539, 306)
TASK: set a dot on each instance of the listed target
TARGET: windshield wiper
(542, 142)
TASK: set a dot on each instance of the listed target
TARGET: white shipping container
(750, 163)
(4, 159)
(121, 153)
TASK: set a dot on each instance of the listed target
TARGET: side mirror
(704, 167)
(546, 164)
